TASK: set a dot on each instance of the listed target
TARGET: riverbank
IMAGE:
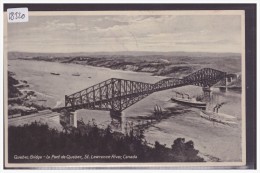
(21, 101)
(159, 67)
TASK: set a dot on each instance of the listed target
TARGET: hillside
(173, 64)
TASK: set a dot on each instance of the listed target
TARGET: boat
(157, 109)
(157, 112)
(188, 101)
(75, 74)
(218, 117)
(55, 73)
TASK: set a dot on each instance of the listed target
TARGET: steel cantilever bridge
(115, 95)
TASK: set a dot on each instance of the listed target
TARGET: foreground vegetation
(88, 140)
(12, 90)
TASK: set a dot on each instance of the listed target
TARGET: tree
(185, 151)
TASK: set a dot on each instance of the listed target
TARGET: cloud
(120, 33)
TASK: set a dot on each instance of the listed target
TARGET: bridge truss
(118, 94)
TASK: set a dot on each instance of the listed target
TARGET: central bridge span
(115, 95)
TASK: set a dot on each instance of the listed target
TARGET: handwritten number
(16, 15)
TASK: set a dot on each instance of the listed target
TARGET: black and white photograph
(157, 88)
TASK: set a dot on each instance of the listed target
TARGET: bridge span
(115, 95)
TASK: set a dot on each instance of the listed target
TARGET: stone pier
(73, 119)
(68, 119)
(115, 113)
(206, 93)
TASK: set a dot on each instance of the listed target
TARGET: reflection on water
(176, 121)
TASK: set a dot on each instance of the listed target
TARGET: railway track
(46, 114)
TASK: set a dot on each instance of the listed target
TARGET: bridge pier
(68, 119)
(115, 113)
(206, 93)
(73, 119)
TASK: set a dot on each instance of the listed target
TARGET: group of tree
(12, 90)
(39, 139)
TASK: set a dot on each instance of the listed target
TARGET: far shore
(156, 67)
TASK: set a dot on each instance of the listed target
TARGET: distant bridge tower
(205, 78)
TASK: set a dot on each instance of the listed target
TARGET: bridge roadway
(115, 95)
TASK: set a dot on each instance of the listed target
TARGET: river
(211, 139)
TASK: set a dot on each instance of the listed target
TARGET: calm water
(211, 139)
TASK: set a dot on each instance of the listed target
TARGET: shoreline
(24, 102)
(236, 86)
(176, 66)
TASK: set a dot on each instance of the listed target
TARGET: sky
(114, 33)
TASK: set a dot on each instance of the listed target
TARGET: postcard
(160, 88)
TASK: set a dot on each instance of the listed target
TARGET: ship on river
(76, 74)
(187, 100)
(215, 116)
(52, 73)
(157, 111)
(218, 117)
